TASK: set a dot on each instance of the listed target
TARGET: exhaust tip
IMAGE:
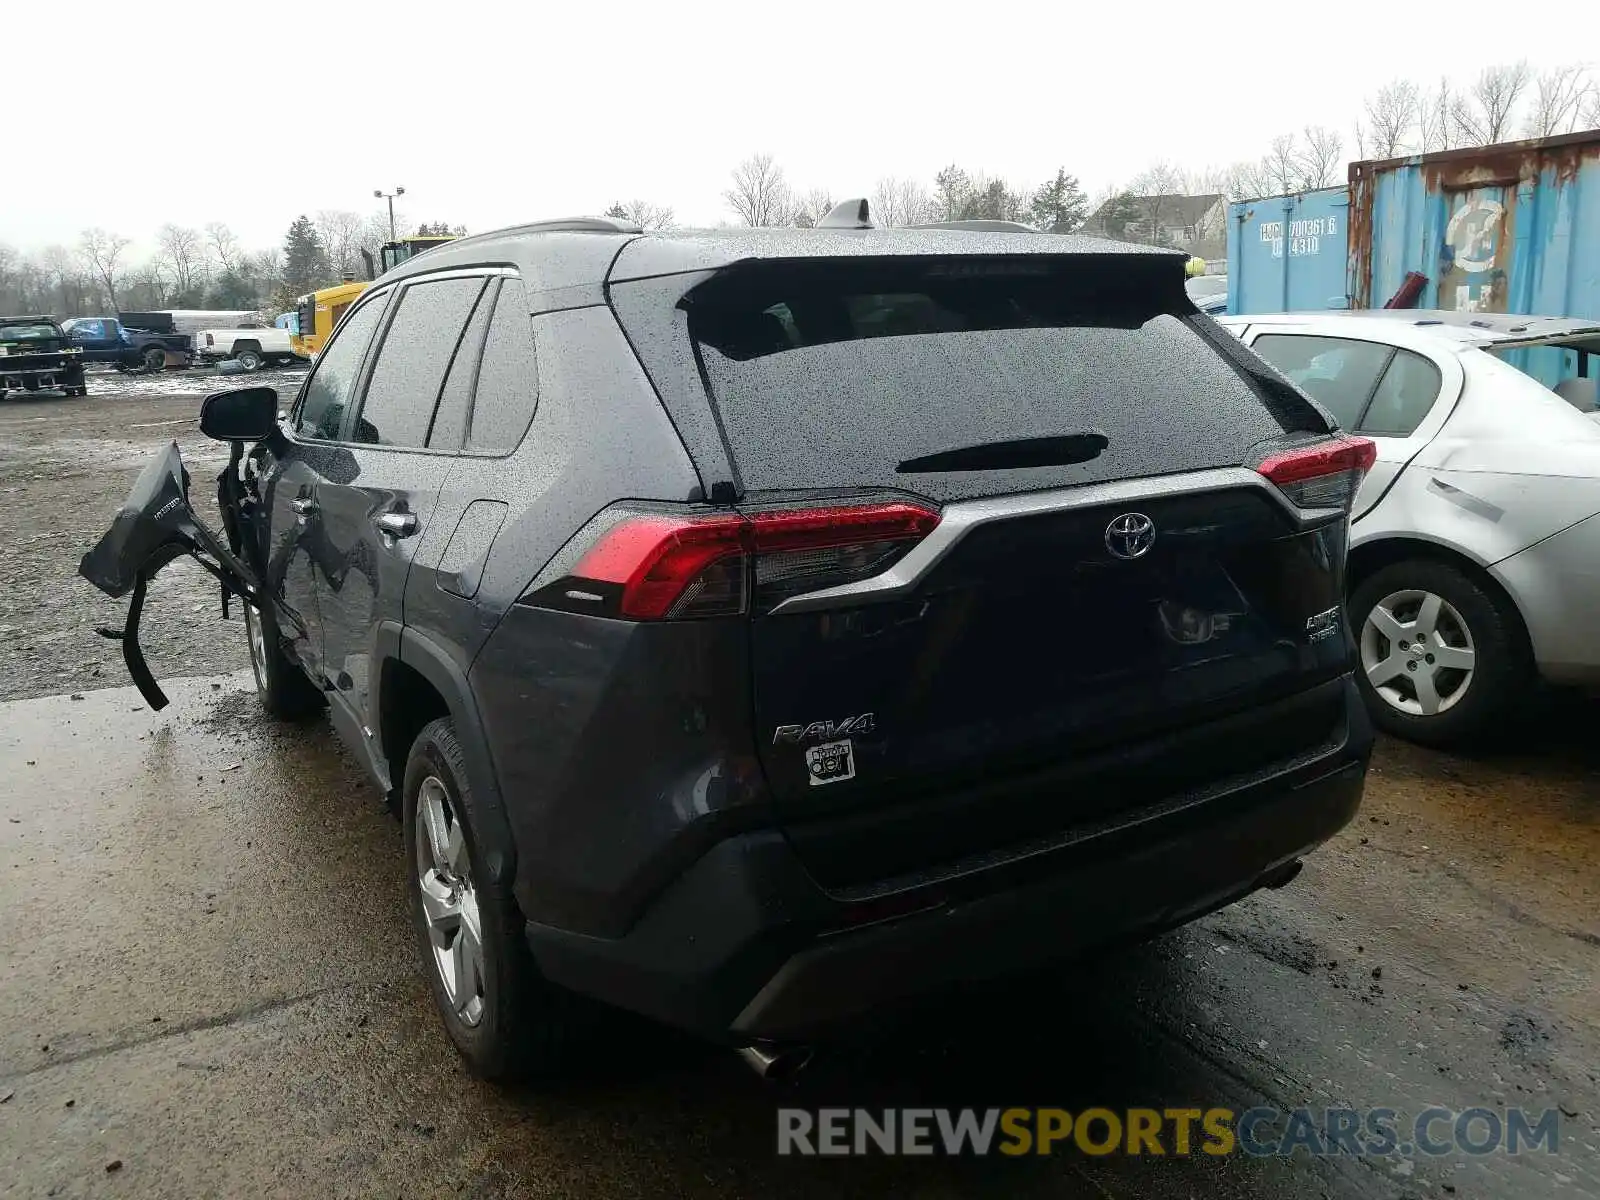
(776, 1063)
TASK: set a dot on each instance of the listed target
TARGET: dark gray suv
(758, 628)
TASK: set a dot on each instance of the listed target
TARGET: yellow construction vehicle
(316, 313)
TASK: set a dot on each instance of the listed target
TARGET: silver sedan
(1475, 539)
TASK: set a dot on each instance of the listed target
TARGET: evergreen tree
(1060, 205)
(952, 189)
(232, 291)
(1122, 216)
(305, 261)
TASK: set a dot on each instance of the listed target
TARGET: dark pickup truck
(35, 354)
(109, 340)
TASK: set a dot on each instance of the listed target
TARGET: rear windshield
(831, 376)
(27, 333)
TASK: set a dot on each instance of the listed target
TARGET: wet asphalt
(208, 985)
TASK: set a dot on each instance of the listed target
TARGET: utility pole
(389, 196)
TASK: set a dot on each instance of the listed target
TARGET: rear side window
(508, 380)
(417, 348)
(332, 385)
(875, 372)
(1404, 397)
(1339, 373)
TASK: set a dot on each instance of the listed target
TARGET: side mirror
(242, 415)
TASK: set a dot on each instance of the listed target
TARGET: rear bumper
(745, 946)
(26, 376)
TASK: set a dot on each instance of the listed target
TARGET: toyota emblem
(1131, 535)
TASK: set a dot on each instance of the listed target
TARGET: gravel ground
(210, 987)
(66, 465)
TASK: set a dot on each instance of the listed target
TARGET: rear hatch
(1039, 557)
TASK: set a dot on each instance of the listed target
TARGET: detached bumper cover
(745, 945)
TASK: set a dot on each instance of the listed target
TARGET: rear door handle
(397, 524)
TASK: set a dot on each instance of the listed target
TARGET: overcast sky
(493, 113)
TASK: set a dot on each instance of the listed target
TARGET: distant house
(1197, 224)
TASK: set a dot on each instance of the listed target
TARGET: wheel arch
(417, 682)
(1370, 557)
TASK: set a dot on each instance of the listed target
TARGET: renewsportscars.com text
(1258, 1132)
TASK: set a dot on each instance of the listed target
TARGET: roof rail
(584, 225)
(979, 226)
(848, 214)
(556, 225)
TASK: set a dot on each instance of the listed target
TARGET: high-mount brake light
(662, 566)
(1322, 475)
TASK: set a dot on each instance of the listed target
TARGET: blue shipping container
(1510, 228)
(1287, 253)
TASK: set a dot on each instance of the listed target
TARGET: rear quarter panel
(1512, 465)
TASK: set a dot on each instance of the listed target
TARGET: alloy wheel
(258, 646)
(449, 901)
(1417, 652)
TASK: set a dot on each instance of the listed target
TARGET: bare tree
(1392, 116)
(643, 214)
(1591, 111)
(1282, 163)
(224, 246)
(1559, 98)
(811, 207)
(266, 266)
(759, 195)
(1435, 129)
(1319, 157)
(180, 251)
(341, 233)
(145, 287)
(897, 202)
(100, 251)
(1486, 112)
(1249, 180)
(1154, 190)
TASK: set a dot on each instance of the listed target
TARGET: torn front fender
(154, 526)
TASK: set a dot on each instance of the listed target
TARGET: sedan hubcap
(1417, 652)
(449, 901)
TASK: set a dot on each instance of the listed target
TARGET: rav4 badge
(793, 735)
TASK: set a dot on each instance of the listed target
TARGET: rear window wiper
(1011, 455)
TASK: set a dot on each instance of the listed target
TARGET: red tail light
(653, 566)
(1322, 475)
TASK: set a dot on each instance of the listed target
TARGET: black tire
(525, 1026)
(248, 357)
(284, 690)
(154, 359)
(1502, 671)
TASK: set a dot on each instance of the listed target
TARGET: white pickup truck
(252, 345)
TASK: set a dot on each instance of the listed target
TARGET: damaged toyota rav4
(756, 629)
